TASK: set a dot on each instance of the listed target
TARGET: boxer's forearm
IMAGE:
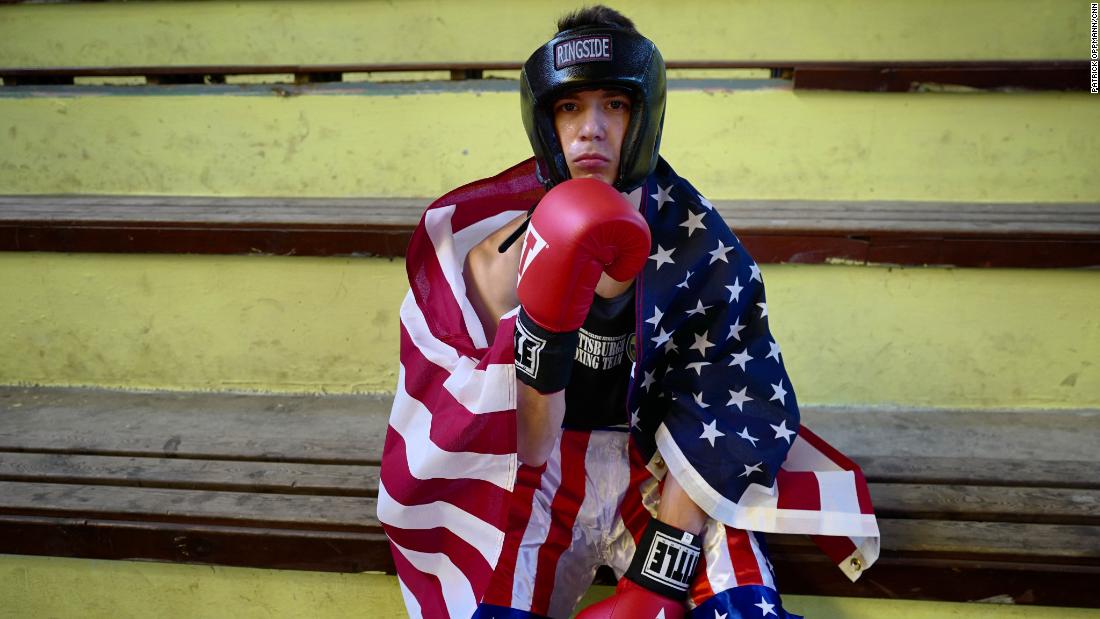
(538, 423)
(677, 508)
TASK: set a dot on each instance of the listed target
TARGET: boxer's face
(591, 125)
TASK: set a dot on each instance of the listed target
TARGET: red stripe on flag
(798, 490)
(745, 566)
(835, 547)
(424, 587)
(453, 427)
(516, 188)
(528, 481)
(563, 514)
(434, 295)
(465, 557)
(501, 350)
(484, 500)
(701, 591)
(826, 449)
(863, 493)
(634, 514)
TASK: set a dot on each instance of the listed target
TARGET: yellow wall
(273, 32)
(87, 589)
(923, 337)
(190, 322)
(748, 144)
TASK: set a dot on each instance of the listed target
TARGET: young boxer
(653, 412)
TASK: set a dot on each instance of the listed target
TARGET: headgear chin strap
(595, 57)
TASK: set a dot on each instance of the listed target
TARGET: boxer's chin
(606, 175)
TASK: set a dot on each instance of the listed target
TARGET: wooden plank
(893, 76)
(286, 428)
(769, 248)
(1022, 253)
(987, 503)
(935, 540)
(992, 436)
(898, 216)
(210, 240)
(186, 210)
(195, 445)
(949, 502)
(335, 551)
(391, 241)
(986, 471)
(978, 235)
(267, 69)
(1008, 540)
(961, 539)
(800, 569)
(760, 215)
(895, 577)
(187, 506)
(235, 476)
(885, 78)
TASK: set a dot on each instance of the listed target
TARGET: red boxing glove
(658, 579)
(582, 227)
(633, 601)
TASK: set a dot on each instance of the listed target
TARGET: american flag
(710, 400)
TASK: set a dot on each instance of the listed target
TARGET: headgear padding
(591, 58)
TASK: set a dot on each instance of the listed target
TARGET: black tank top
(596, 395)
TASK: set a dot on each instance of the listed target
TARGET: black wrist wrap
(665, 560)
(544, 359)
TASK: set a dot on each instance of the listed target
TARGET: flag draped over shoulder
(709, 399)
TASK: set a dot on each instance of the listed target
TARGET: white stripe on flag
(820, 522)
(411, 603)
(538, 527)
(451, 250)
(466, 238)
(603, 492)
(413, 421)
(434, 350)
(437, 222)
(478, 391)
(483, 391)
(805, 457)
(719, 565)
(761, 561)
(458, 593)
(837, 490)
(486, 538)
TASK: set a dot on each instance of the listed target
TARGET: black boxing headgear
(595, 57)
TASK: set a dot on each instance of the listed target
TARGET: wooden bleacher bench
(972, 505)
(260, 481)
(855, 76)
(962, 234)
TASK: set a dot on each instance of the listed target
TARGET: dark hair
(598, 15)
